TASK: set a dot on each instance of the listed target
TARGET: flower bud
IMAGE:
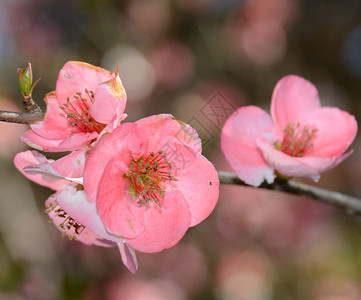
(26, 80)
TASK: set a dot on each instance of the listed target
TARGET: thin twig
(22, 118)
(352, 205)
(29, 104)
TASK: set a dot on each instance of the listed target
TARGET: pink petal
(75, 141)
(75, 203)
(112, 125)
(164, 128)
(285, 164)
(238, 142)
(76, 77)
(71, 165)
(197, 180)
(121, 216)
(128, 257)
(55, 125)
(37, 142)
(31, 158)
(293, 100)
(164, 226)
(336, 131)
(322, 164)
(110, 98)
(123, 142)
(71, 227)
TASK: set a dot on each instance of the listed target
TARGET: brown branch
(29, 104)
(352, 205)
(22, 118)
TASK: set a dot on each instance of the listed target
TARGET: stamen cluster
(78, 115)
(296, 140)
(148, 175)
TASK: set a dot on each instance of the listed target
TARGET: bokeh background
(175, 57)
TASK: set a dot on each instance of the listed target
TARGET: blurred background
(178, 57)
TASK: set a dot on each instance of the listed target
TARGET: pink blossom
(150, 182)
(88, 101)
(301, 138)
(65, 176)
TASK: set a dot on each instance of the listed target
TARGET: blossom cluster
(136, 186)
(140, 186)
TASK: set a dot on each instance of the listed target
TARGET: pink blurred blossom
(243, 275)
(299, 140)
(150, 17)
(185, 259)
(140, 289)
(258, 33)
(37, 35)
(263, 42)
(173, 63)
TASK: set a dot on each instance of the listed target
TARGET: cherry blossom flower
(65, 177)
(150, 182)
(301, 139)
(88, 101)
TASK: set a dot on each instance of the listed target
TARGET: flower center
(296, 139)
(148, 176)
(78, 115)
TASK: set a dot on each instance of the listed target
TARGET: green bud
(26, 80)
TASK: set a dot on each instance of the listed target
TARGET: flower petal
(128, 257)
(123, 141)
(294, 99)
(110, 98)
(322, 164)
(71, 227)
(197, 179)
(76, 77)
(164, 127)
(55, 124)
(238, 142)
(69, 167)
(35, 141)
(336, 131)
(285, 164)
(165, 225)
(75, 141)
(29, 158)
(75, 203)
(119, 213)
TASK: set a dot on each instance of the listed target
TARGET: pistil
(296, 139)
(78, 115)
(148, 177)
